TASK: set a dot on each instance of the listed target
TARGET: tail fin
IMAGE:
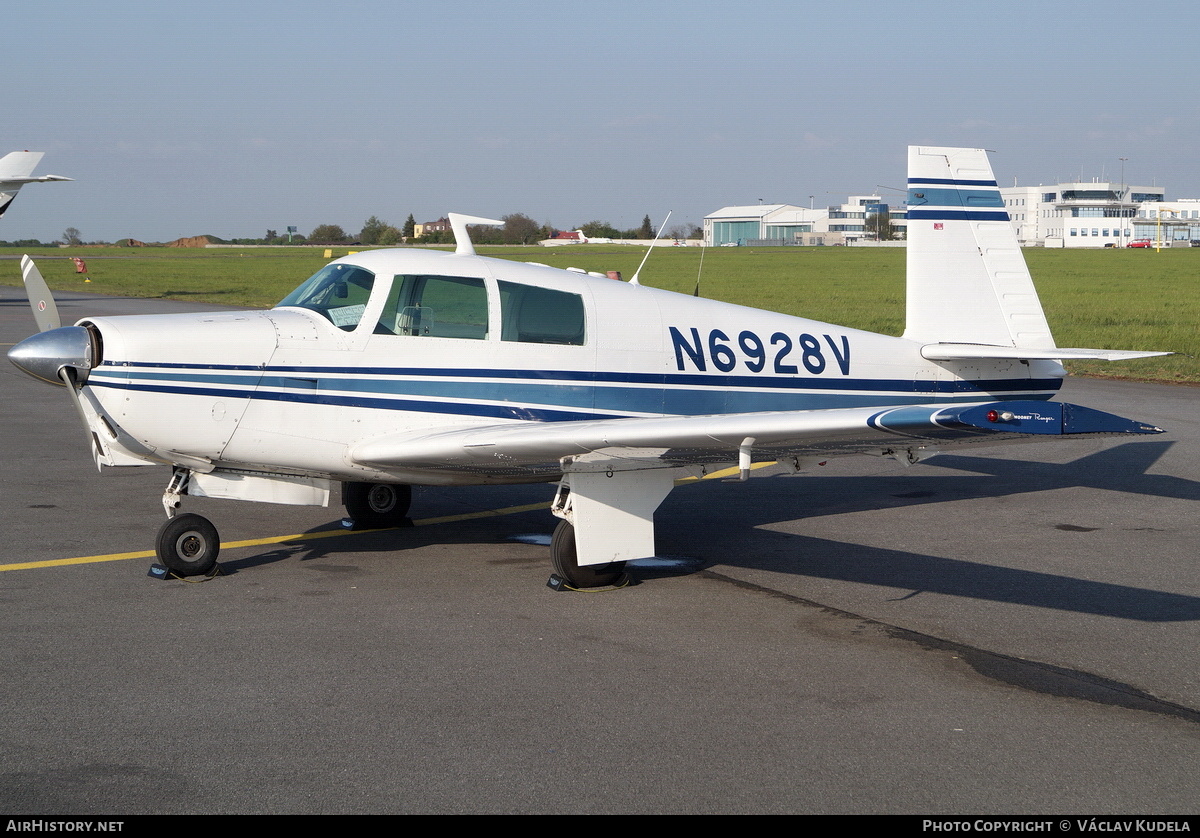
(19, 165)
(967, 279)
(970, 295)
(16, 170)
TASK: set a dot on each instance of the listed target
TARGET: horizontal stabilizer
(42, 179)
(976, 351)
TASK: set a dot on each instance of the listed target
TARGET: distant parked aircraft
(16, 170)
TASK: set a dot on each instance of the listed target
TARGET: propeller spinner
(55, 355)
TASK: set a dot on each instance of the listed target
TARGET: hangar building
(784, 224)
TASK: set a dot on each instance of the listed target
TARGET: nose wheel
(188, 545)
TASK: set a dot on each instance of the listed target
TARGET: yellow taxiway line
(277, 539)
(313, 536)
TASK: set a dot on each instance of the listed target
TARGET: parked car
(1140, 243)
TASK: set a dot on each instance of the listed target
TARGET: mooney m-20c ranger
(16, 170)
(397, 367)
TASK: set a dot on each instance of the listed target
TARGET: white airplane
(16, 170)
(579, 238)
(392, 368)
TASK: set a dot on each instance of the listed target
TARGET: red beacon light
(997, 416)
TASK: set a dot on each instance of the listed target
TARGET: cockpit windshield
(339, 292)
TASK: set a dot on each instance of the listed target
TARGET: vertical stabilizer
(19, 165)
(967, 279)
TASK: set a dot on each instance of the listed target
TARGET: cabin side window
(435, 306)
(541, 315)
(339, 292)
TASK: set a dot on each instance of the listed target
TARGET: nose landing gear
(188, 545)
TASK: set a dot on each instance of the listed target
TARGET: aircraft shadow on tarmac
(1120, 469)
(333, 539)
(735, 537)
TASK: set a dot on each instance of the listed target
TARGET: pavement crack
(1030, 675)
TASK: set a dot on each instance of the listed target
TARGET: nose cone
(45, 353)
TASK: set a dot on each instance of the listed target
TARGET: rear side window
(541, 315)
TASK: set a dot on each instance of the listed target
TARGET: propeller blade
(45, 312)
(67, 376)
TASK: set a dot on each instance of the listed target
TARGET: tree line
(518, 228)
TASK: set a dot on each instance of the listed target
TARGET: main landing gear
(607, 518)
(375, 506)
(565, 558)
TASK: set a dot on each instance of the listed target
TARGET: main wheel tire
(564, 556)
(188, 545)
(377, 505)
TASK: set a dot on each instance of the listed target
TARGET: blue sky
(232, 118)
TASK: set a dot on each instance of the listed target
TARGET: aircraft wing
(544, 447)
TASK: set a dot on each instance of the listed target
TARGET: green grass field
(1116, 298)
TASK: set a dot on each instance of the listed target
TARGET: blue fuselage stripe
(560, 396)
(398, 379)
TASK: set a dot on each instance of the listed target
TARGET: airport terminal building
(1168, 222)
(1077, 214)
(1097, 214)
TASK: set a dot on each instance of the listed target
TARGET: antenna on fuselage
(696, 293)
(637, 273)
(462, 240)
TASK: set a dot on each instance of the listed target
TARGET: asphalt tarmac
(1009, 631)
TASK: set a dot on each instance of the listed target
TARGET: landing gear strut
(188, 545)
(377, 505)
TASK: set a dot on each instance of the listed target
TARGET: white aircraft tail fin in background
(967, 279)
(16, 170)
(19, 165)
